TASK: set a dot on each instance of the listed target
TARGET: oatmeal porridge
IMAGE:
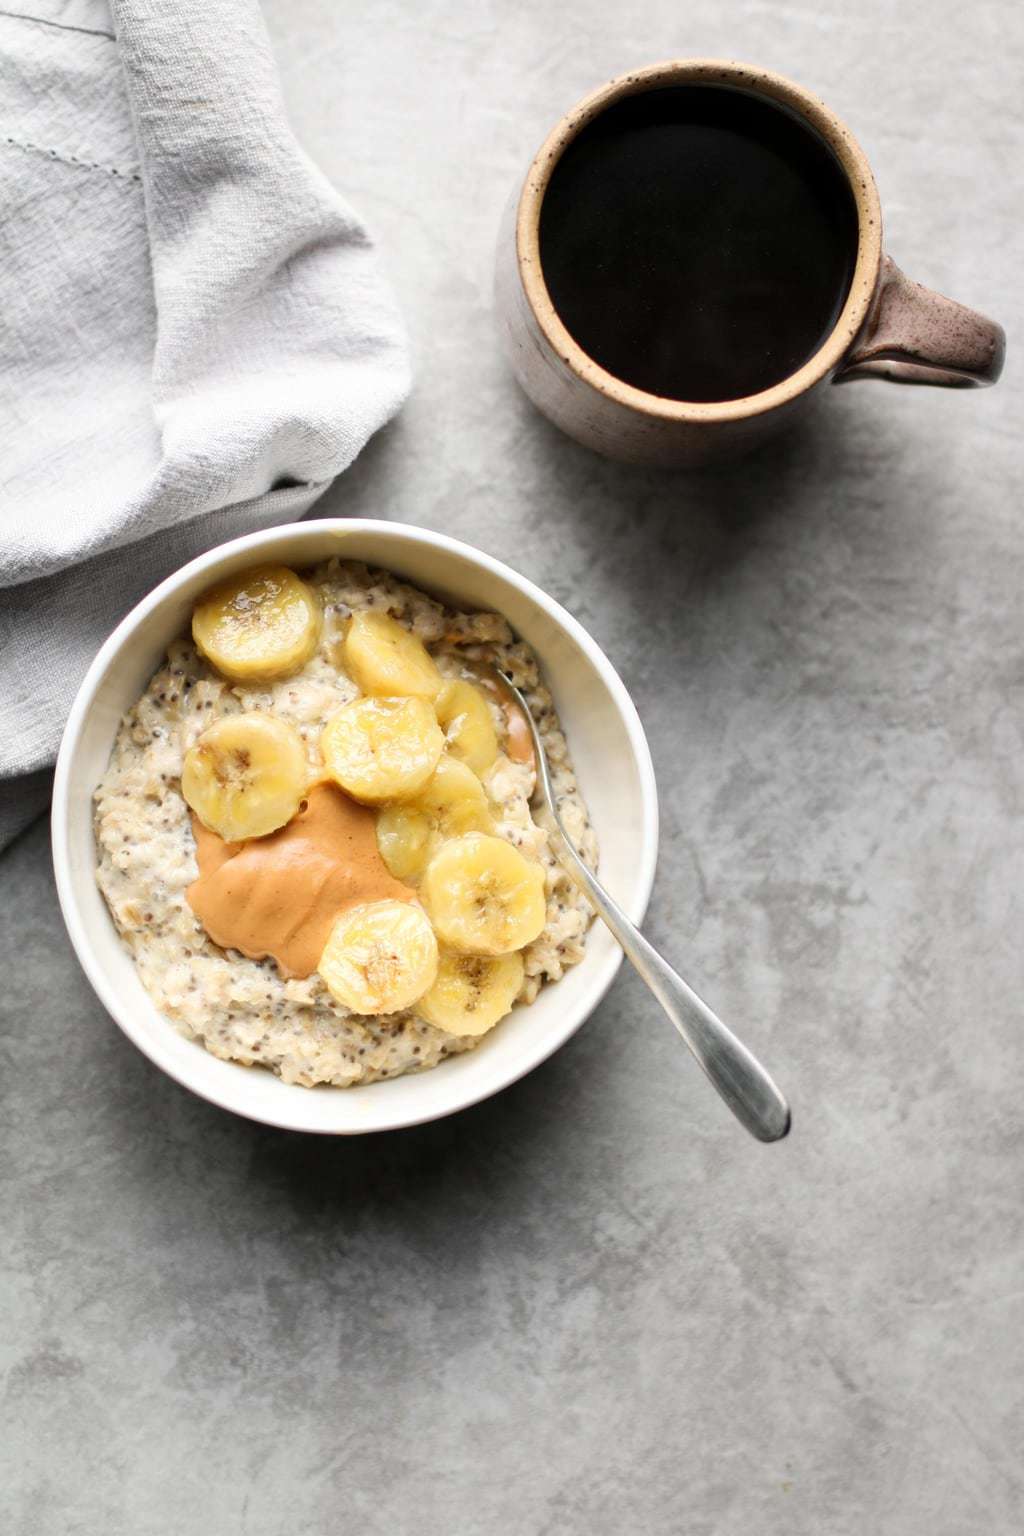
(315, 833)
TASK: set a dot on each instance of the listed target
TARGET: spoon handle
(736, 1074)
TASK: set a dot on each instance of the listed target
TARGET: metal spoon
(737, 1075)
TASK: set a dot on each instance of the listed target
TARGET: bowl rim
(124, 1014)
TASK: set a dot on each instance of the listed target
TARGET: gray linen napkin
(194, 334)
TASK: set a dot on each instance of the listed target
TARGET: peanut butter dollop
(279, 895)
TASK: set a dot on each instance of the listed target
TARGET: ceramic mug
(889, 328)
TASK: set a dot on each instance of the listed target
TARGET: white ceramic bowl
(611, 758)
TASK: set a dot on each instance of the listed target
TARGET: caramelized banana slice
(245, 776)
(383, 657)
(380, 958)
(483, 896)
(451, 803)
(262, 624)
(465, 718)
(382, 749)
(472, 992)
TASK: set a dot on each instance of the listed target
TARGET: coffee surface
(697, 242)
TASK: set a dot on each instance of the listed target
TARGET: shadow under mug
(889, 328)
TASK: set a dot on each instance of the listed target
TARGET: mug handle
(916, 336)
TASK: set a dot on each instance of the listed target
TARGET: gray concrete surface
(591, 1305)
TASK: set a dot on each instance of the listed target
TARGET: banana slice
(380, 958)
(483, 896)
(472, 992)
(382, 749)
(264, 623)
(383, 657)
(245, 776)
(465, 718)
(452, 802)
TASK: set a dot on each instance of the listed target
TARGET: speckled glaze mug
(889, 328)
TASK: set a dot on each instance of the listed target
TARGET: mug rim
(762, 82)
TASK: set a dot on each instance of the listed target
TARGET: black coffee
(697, 242)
